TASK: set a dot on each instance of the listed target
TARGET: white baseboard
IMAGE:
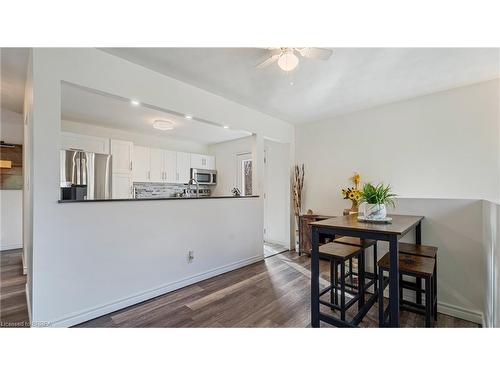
(448, 309)
(85, 315)
(11, 246)
(461, 313)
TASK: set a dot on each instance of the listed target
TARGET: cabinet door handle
(131, 165)
(177, 176)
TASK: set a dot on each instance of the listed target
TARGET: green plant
(379, 194)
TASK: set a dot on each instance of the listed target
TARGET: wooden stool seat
(410, 264)
(420, 267)
(419, 250)
(355, 241)
(339, 251)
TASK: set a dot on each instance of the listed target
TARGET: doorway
(244, 172)
(276, 192)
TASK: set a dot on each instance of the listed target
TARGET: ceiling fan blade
(268, 61)
(315, 53)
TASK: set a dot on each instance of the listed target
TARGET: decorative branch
(297, 186)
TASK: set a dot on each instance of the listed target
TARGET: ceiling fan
(287, 58)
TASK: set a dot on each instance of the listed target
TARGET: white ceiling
(82, 105)
(352, 79)
(14, 65)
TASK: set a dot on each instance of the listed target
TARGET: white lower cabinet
(121, 186)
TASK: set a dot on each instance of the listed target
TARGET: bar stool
(338, 254)
(364, 244)
(421, 251)
(410, 265)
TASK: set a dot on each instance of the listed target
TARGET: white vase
(374, 211)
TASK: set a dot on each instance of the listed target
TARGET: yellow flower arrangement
(353, 193)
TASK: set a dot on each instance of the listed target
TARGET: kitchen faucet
(197, 186)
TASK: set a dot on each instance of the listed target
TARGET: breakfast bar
(350, 226)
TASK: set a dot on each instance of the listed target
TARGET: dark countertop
(156, 199)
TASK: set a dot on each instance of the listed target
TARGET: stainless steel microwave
(204, 176)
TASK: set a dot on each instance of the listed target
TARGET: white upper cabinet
(84, 142)
(200, 161)
(122, 156)
(156, 165)
(141, 164)
(170, 163)
(183, 167)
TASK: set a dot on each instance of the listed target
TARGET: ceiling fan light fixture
(163, 125)
(288, 61)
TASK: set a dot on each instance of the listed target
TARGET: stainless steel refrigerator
(88, 170)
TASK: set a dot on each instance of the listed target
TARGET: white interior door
(276, 187)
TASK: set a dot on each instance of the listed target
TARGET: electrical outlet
(190, 256)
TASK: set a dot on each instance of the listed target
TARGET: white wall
(443, 145)
(11, 128)
(277, 193)
(11, 201)
(440, 152)
(226, 159)
(128, 251)
(455, 226)
(138, 139)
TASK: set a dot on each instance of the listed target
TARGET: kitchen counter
(156, 199)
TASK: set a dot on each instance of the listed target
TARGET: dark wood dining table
(350, 226)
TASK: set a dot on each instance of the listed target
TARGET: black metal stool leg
(336, 279)
(375, 272)
(400, 288)
(418, 296)
(381, 319)
(350, 271)
(361, 279)
(332, 282)
(342, 290)
(429, 304)
(434, 279)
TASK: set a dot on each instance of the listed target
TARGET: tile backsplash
(156, 190)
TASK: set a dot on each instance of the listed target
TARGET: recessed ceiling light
(291, 83)
(188, 117)
(134, 102)
(163, 124)
(226, 127)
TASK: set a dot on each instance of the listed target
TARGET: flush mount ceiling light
(288, 58)
(134, 102)
(163, 124)
(226, 127)
(188, 117)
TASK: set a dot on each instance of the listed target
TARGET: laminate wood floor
(271, 293)
(13, 306)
